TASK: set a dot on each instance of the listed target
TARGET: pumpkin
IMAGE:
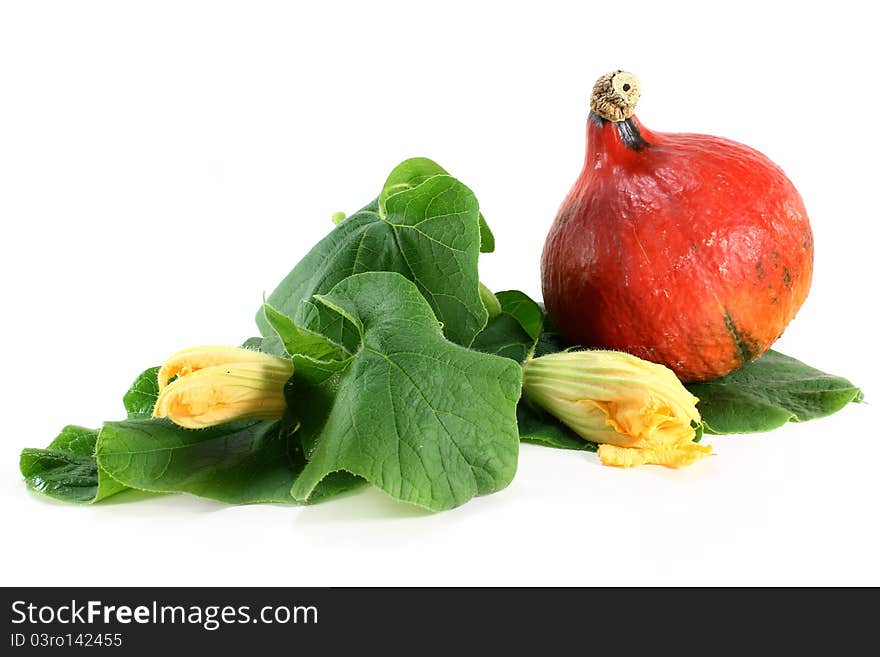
(687, 250)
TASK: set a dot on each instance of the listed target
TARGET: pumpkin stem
(615, 96)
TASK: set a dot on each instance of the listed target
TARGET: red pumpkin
(687, 250)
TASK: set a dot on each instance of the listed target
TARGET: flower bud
(205, 386)
(638, 411)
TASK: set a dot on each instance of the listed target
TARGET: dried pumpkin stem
(615, 96)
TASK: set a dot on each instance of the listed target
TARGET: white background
(162, 164)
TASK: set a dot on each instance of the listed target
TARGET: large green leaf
(66, 470)
(237, 463)
(427, 421)
(428, 232)
(514, 331)
(242, 462)
(300, 341)
(767, 393)
(526, 311)
(320, 319)
(504, 336)
(412, 173)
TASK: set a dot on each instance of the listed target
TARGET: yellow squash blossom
(204, 386)
(638, 411)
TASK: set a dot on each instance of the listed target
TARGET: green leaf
(67, 470)
(528, 313)
(428, 233)
(412, 173)
(534, 322)
(142, 395)
(300, 341)
(427, 421)
(514, 331)
(336, 483)
(504, 336)
(550, 342)
(319, 319)
(540, 428)
(330, 260)
(767, 393)
(242, 462)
